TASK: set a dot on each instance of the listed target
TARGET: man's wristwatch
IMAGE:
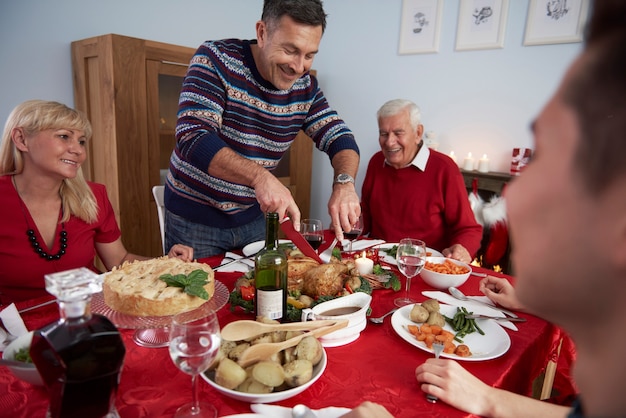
(344, 178)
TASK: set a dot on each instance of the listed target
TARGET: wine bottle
(270, 275)
(80, 357)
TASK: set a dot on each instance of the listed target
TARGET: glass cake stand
(151, 331)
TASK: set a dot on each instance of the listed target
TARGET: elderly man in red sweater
(412, 191)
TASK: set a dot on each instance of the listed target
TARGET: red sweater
(430, 205)
(21, 269)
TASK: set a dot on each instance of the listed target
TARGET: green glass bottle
(270, 275)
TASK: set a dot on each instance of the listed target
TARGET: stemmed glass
(411, 257)
(194, 344)
(355, 232)
(313, 232)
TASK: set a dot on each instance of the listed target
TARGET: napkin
(243, 266)
(361, 244)
(276, 411)
(471, 306)
(13, 324)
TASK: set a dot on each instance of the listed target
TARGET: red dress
(21, 269)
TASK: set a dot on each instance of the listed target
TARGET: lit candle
(453, 156)
(483, 164)
(468, 163)
(364, 265)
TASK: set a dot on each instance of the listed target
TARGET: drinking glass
(313, 232)
(355, 232)
(411, 257)
(194, 344)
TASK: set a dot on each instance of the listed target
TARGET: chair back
(158, 192)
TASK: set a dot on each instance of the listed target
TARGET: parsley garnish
(192, 284)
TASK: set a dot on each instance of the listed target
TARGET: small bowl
(28, 372)
(319, 368)
(357, 304)
(441, 280)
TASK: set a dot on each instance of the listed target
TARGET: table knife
(497, 318)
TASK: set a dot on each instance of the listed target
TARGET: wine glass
(194, 344)
(355, 232)
(313, 232)
(411, 257)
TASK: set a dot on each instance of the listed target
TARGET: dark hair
(308, 12)
(596, 92)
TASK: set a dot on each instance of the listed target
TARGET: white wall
(476, 101)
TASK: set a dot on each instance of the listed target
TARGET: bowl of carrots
(443, 272)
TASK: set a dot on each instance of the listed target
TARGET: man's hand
(344, 208)
(273, 196)
(458, 252)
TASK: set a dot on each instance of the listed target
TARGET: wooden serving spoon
(258, 352)
(246, 329)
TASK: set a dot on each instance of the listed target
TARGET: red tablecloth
(379, 366)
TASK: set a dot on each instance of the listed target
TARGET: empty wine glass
(411, 257)
(355, 232)
(194, 344)
(313, 232)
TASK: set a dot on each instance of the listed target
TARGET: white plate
(251, 415)
(267, 397)
(392, 260)
(493, 344)
(255, 247)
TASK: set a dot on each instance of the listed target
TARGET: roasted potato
(418, 313)
(298, 372)
(268, 373)
(431, 305)
(309, 348)
(229, 374)
(435, 318)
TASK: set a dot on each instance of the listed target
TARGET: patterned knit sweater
(224, 102)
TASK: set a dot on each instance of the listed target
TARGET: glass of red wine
(355, 232)
(312, 231)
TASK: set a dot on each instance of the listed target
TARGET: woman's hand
(454, 385)
(181, 251)
(500, 291)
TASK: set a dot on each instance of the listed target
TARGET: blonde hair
(34, 116)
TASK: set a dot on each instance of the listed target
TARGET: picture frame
(555, 21)
(420, 26)
(481, 24)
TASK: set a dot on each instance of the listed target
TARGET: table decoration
(468, 162)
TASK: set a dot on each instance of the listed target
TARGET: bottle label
(270, 303)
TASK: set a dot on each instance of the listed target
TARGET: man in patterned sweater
(241, 105)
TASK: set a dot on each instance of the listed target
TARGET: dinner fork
(437, 348)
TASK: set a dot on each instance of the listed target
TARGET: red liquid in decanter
(80, 358)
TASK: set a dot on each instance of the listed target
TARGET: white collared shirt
(420, 160)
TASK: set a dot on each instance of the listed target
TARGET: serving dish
(443, 280)
(492, 345)
(318, 369)
(383, 256)
(28, 372)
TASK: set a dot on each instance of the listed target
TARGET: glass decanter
(80, 356)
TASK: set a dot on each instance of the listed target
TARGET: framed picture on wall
(555, 21)
(481, 24)
(420, 26)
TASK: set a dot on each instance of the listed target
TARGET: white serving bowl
(356, 320)
(28, 372)
(268, 397)
(444, 281)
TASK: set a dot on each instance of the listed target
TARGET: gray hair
(393, 107)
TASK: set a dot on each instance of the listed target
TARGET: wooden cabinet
(129, 89)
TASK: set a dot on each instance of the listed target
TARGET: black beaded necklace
(32, 238)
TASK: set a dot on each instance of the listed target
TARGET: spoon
(461, 296)
(302, 411)
(381, 319)
(245, 329)
(258, 352)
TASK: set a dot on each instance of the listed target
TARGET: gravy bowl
(353, 307)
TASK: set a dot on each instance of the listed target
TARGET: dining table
(379, 366)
